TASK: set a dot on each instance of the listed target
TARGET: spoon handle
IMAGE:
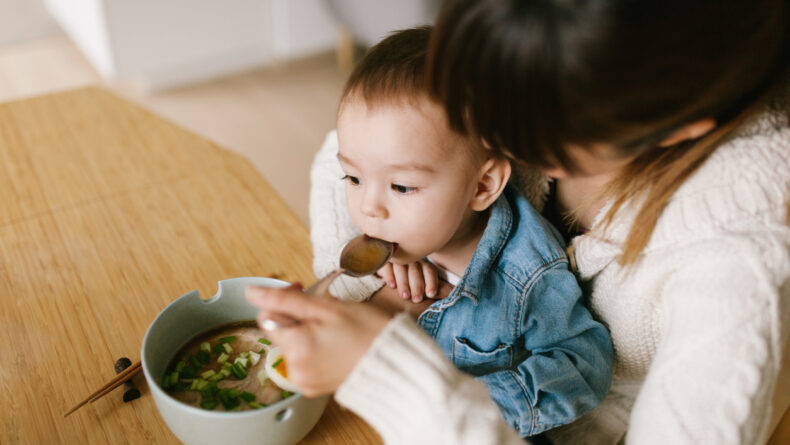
(321, 286)
(318, 288)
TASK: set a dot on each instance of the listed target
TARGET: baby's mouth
(394, 244)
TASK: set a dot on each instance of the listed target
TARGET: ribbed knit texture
(331, 226)
(697, 323)
(387, 390)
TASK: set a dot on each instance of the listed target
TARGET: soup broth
(223, 369)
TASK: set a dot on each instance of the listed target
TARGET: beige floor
(277, 117)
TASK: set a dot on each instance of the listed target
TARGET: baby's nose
(373, 208)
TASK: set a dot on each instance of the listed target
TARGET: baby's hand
(414, 281)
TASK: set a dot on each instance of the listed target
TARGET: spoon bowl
(364, 255)
(361, 256)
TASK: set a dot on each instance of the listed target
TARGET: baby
(515, 318)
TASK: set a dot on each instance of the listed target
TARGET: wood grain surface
(108, 213)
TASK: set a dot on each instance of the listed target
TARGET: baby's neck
(457, 253)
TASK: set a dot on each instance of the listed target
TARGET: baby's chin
(403, 258)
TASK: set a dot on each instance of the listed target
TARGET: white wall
(84, 21)
(163, 44)
(301, 28)
(22, 20)
(168, 43)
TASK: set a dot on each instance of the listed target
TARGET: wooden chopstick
(123, 376)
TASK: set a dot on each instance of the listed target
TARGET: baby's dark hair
(392, 70)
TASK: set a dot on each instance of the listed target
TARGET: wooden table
(107, 214)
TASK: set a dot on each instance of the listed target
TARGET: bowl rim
(153, 386)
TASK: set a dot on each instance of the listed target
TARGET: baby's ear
(491, 182)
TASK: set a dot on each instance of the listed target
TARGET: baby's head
(409, 178)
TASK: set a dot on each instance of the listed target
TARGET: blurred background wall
(22, 20)
(259, 77)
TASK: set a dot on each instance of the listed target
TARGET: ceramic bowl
(283, 423)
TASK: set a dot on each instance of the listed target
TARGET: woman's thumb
(290, 302)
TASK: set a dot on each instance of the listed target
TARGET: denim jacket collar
(495, 236)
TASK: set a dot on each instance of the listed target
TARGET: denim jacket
(516, 321)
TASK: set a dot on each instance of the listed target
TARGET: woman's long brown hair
(532, 78)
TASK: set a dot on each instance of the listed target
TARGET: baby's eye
(403, 189)
(352, 179)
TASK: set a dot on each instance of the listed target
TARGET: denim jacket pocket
(472, 360)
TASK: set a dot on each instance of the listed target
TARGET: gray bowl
(283, 423)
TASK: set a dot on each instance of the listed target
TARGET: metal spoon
(361, 256)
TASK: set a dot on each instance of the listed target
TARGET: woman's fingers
(289, 302)
(431, 278)
(416, 282)
(330, 338)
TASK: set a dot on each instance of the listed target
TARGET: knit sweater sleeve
(330, 224)
(714, 372)
(408, 391)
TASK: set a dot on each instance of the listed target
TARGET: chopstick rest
(125, 375)
(130, 392)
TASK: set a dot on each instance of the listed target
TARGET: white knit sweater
(697, 324)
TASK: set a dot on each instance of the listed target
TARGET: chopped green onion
(205, 346)
(277, 362)
(232, 338)
(204, 357)
(223, 358)
(218, 349)
(174, 377)
(166, 381)
(188, 372)
(208, 404)
(238, 371)
(264, 341)
(227, 347)
(242, 361)
(247, 396)
(254, 358)
(194, 361)
(226, 365)
(194, 384)
(256, 405)
(216, 377)
(229, 398)
(209, 390)
(201, 384)
(245, 354)
(208, 373)
(180, 366)
(225, 372)
(286, 394)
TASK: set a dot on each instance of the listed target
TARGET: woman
(665, 128)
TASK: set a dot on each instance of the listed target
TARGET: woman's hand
(413, 281)
(330, 338)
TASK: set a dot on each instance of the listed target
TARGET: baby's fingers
(431, 277)
(387, 275)
(402, 279)
(416, 282)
